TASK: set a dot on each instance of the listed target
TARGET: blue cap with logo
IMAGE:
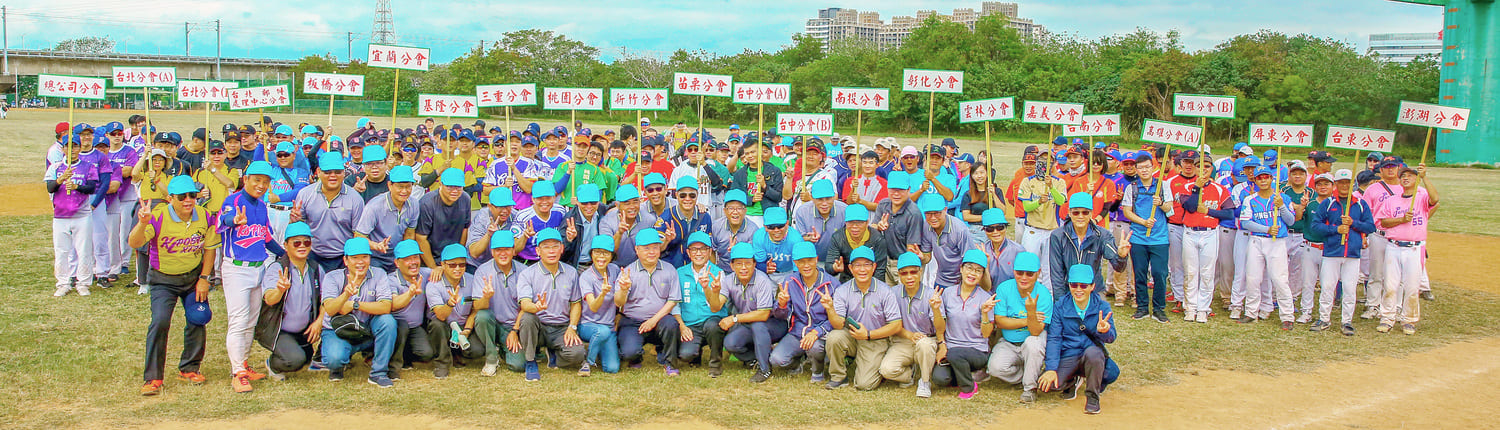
(197, 312)
(285, 130)
(407, 248)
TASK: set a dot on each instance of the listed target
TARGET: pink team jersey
(1396, 207)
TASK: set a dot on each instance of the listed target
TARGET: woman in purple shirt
(962, 319)
(598, 324)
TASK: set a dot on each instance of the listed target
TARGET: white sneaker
(1202, 316)
(1234, 314)
(1305, 318)
(83, 290)
(1189, 315)
(924, 389)
(141, 291)
(62, 290)
(489, 370)
(1370, 313)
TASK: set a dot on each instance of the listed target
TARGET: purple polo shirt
(590, 282)
(296, 303)
(561, 288)
(376, 288)
(759, 294)
(650, 290)
(439, 292)
(69, 204)
(505, 305)
(412, 314)
(916, 313)
(963, 318)
(872, 309)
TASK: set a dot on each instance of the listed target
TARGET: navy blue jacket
(1066, 336)
(1327, 217)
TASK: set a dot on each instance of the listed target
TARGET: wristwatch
(356, 306)
(203, 277)
(573, 327)
(736, 319)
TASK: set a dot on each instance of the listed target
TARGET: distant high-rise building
(1405, 47)
(835, 26)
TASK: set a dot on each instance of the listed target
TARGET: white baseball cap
(1296, 164)
(1343, 175)
(1247, 151)
(645, 121)
(1323, 177)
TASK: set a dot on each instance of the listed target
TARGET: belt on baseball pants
(1315, 245)
(1202, 228)
(243, 263)
(1406, 244)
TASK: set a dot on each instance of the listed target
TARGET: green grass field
(76, 361)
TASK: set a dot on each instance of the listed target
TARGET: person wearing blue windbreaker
(799, 302)
(1343, 227)
(682, 220)
(286, 178)
(1081, 325)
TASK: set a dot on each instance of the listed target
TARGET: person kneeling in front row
(357, 305)
(1081, 325)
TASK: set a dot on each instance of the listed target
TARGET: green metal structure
(1470, 79)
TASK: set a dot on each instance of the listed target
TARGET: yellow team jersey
(177, 245)
(217, 190)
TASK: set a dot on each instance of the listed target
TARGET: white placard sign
(1107, 124)
(1295, 135)
(805, 124)
(1035, 112)
(141, 77)
(1363, 139)
(986, 110)
(446, 105)
(506, 95)
(934, 81)
(1171, 133)
(399, 57)
(845, 98)
(637, 99)
(73, 87)
(762, 94)
(204, 91)
(1195, 105)
(333, 84)
(573, 98)
(259, 97)
(1431, 115)
(698, 84)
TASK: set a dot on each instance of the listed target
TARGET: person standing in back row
(1405, 218)
(1147, 204)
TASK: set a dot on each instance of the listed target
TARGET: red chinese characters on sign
(861, 99)
(986, 110)
(258, 97)
(447, 105)
(1431, 115)
(1193, 105)
(1052, 113)
(1170, 133)
(72, 87)
(637, 99)
(773, 94)
(1094, 125)
(696, 84)
(1298, 135)
(506, 95)
(334, 84)
(573, 98)
(399, 57)
(937, 81)
(140, 77)
(1363, 139)
(204, 91)
(809, 124)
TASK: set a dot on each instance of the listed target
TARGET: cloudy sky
(292, 29)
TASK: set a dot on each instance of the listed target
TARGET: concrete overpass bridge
(34, 62)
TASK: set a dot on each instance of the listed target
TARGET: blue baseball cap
(401, 173)
(931, 203)
(196, 312)
(977, 257)
(1240, 146)
(736, 196)
(503, 238)
(856, 213)
(284, 130)
(363, 122)
(908, 259)
(603, 242)
(452, 177)
(547, 234)
(687, 181)
(647, 237)
(897, 181)
(1270, 155)
(863, 252)
(329, 161)
(734, 126)
(310, 129)
(286, 147)
(993, 216)
(627, 192)
(501, 197)
(455, 251)
(1264, 171)
(1027, 262)
(407, 248)
(373, 154)
(741, 250)
(1080, 274)
(1081, 201)
(822, 188)
(181, 184)
(309, 141)
(356, 245)
(298, 229)
(588, 193)
(655, 179)
(528, 140)
(700, 237)
(775, 215)
(543, 188)
(804, 250)
(259, 168)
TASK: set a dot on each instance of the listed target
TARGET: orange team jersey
(1013, 191)
(1104, 192)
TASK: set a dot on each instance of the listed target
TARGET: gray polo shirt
(332, 221)
(916, 313)
(561, 288)
(963, 319)
(807, 220)
(724, 238)
(381, 220)
(439, 292)
(506, 303)
(759, 294)
(413, 314)
(480, 226)
(590, 282)
(376, 288)
(625, 250)
(297, 303)
(947, 248)
(650, 290)
(872, 309)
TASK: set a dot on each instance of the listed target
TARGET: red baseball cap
(62, 127)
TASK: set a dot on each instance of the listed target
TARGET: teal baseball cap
(931, 203)
(1027, 262)
(501, 197)
(908, 259)
(452, 177)
(1080, 274)
(655, 179)
(548, 234)
(328, 161)
(897, 181)
(603, 242)
(310, 129)
(803, 250)
(259, 168)
(543, 188)
(401, 174)
(455, 251)
(647, 237)
(503, 238)
(181, 184)
(737, 196)
(298, 229)
(977, 257)
(588, 193)
(1080, 201)
(310, 141)
(286, 147)
(356, 246)
(742, 250)
(700, 237)
(993, 216)
(863, 252)
(856, 213)
(822, 188)
(407, 248)
(373, 154)
(627, 193)
(775, 215)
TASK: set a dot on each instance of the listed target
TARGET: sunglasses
(1081, 212)
(282, 154)
(687, 195)
(455, 264)
(1081, 286)
(994, 228)
(1025, 273)
(775, 226)
(186, 197)
(300, 243)
(655, 189)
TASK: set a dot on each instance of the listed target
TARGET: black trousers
(706, 333)
(292, 352)
(412, 344)
(438, 333)
(959, 372)
(164, 299)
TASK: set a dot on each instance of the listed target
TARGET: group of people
(565, 248)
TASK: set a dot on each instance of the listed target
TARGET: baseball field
(75, 362)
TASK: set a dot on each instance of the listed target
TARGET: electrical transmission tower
(384, 29)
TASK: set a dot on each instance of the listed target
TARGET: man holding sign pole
(1267, 253)
(1147, 204)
